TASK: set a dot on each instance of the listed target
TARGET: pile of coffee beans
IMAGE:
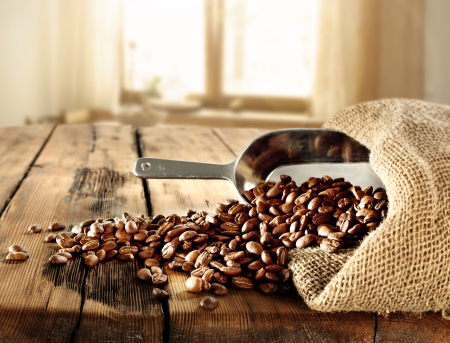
(240, 245)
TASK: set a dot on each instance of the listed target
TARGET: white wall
(437, 51)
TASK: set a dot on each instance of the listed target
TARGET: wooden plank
(412, 328)
(83, 172)
(245, 316)
(19, 146)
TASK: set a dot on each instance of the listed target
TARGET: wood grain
(19, 146)
(83, 172)
(86, 172)
(244, 316)
(412, 328)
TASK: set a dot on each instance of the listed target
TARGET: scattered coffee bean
(56, 226)
(17, 256)
(35, 228)
(144, 274)
(218, 289)
(16, 248)
(209, 303)
(159, 293)
(58, 259)
(91, 261)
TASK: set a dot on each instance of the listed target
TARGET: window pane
(164, 39)
(269, 47)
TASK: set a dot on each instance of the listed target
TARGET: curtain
(368, 50)
(58, 56)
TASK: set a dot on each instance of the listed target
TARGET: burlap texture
(404, 265)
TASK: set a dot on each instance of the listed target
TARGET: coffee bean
(144, 274)
(64, 240)
(209, 303)
(194, 284)
(159, 293)
(58, 259)
(66, 254)
(56, 226)
(159, 279)
(330, 245)
(254, 248)
(218, 289)
(242, 282)
(91, 261)
(16, 248)
(17, 256)
(268, 287)
(35, 228)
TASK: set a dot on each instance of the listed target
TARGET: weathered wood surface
(19, 146)
(83, 172)
(72, 173)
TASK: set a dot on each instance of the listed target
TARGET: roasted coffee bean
(159, 293)
(91, 261)
(128, 250)
(209, 303)
(144, 274)
(35, 228)
(101, 254)
(150, 262)
(231, 271)
(50, 238)
(125, 257)
(203, 259)
(268, 288)
(234, 255)
(16, 248)
(330, 245)
(194, 284)
(321, 218)
(159, 279)
(58, 259)
(91, 245)
(218, 289)
(305, 241)
(220, 278)
(56, 226)
(110, 254)
(17, 256)
(242, 282)
(282, 256)
(65, 254)
(206, 286)
(254, 248)
(64, 240)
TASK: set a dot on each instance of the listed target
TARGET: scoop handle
(156, 168)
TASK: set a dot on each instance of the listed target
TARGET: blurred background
(223, 63)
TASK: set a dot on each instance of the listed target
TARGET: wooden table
(72, 173)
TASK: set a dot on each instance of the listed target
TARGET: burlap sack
(404, 265)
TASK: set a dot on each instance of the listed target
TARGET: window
(256, 52)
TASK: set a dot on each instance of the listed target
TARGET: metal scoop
(300, 153)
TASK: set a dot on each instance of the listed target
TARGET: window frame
(214, 96)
